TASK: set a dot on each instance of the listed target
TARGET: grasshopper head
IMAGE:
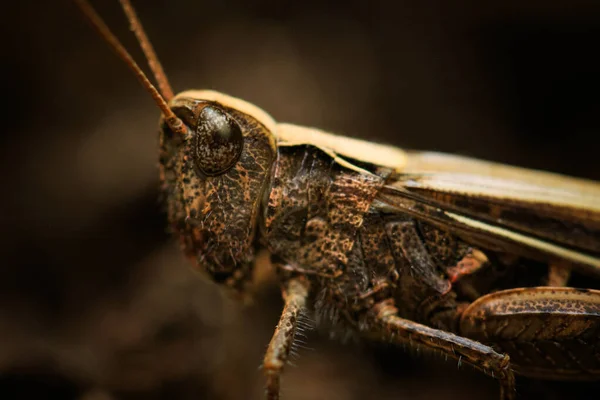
(213, 178)
(216, 154)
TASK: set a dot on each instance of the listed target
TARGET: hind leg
(386, 325)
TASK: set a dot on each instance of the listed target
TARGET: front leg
(384, 324)
(294, 293)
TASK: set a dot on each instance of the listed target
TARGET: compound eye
(218, 142)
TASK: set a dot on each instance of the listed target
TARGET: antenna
(171, 119)
(146, 45)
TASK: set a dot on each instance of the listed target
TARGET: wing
(530, 213)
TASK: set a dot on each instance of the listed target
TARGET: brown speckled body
(417, 248)
(368, 251)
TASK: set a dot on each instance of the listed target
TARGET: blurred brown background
(96, 301)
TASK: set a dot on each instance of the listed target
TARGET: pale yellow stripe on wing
(463, 175)
(511, 190)
(528, 241)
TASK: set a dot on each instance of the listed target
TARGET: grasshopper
(468, 258)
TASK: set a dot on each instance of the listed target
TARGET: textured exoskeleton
(466, 257)
(433, 250)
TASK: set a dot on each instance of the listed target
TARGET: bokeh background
(96, 302)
